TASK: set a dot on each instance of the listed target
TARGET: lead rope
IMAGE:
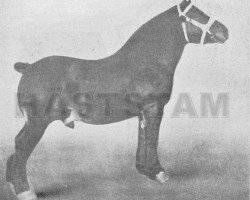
(204, 27)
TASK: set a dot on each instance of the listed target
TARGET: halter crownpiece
(204, 27)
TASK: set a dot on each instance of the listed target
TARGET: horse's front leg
(147, 162)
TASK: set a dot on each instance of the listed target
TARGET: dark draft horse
(135, 81)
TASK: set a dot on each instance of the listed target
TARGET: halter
(204, 27)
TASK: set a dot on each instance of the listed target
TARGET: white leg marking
(162, 177)
(143, 122)
(25, 114)
(27, 195)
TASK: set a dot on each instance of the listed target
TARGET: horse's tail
(21, 67)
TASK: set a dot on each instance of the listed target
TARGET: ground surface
(98, 163)
(71, 169)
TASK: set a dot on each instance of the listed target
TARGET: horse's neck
(160, 39)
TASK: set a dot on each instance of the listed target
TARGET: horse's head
(199, 27)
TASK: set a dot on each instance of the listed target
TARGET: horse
(136, 81)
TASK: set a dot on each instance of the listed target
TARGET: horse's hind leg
(25, 143)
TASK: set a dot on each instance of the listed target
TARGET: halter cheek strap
(206, 30)
(204, 27)
(184, 27)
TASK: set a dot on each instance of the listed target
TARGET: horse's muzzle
(220, 32)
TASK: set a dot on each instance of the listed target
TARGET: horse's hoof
(28, 195)
(162, 177)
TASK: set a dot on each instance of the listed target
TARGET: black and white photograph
(124, 99)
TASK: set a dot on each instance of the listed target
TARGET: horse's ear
(184, 4)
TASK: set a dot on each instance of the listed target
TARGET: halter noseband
(204, 27)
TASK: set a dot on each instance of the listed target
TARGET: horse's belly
(104, 110)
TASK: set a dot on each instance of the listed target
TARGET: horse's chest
(154, 78)
(154, 88)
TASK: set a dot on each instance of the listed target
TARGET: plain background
(94, 29)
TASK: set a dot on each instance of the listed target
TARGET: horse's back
(66, 77)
